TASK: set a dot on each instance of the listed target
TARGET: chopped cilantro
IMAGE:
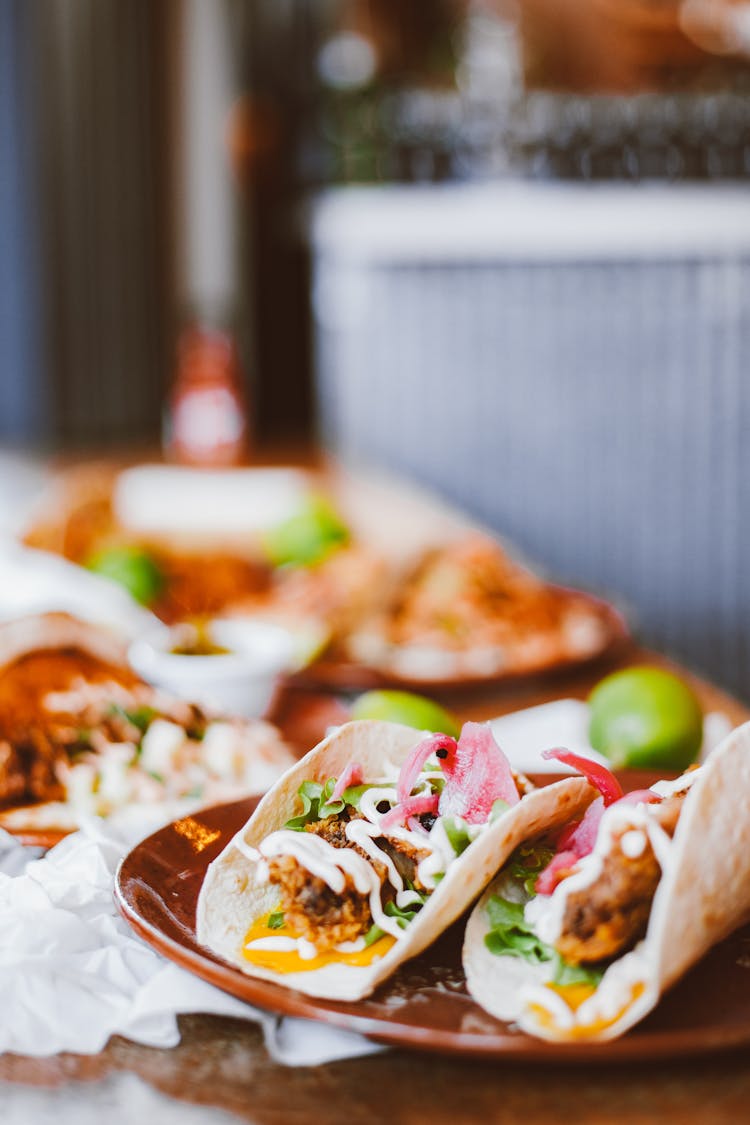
(275, 920)
(527, 863)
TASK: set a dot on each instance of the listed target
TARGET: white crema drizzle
(332, 864)
(636, 824)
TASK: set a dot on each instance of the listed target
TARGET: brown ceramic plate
(335, 670)
(425, 1004)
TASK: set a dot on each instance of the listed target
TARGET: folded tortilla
(234, 897)
(702, 896)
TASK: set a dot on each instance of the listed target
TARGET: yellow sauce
(573, 994)
(570, 993)
(289, 961)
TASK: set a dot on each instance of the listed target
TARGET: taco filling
(361, 857)
(577, 906)
(81, 735)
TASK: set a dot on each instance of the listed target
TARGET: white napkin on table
(72, 973)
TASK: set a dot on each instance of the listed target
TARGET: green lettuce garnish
(140, 718)
(373, 934)
(404, 917)
(408, 914)
(511, 935)
(527, 863)
(457, 832)
(317, 803)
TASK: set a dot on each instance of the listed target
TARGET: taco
(366, 851)
(467, 610)
(583, 931)
(82, 734)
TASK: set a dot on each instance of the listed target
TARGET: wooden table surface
(222, 1072)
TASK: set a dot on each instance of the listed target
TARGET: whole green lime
(407, 708)
(646, 718)
(131, 567)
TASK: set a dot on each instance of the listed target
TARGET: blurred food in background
(468, 611)
(449, 613)
(206, 244)
(81, 734)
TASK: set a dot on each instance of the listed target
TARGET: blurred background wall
(402, 214)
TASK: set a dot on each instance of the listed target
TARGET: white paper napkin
(38, 582)
(72, 973)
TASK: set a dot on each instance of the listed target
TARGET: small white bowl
(239, 682)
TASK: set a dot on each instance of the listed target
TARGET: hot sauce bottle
(206, 421)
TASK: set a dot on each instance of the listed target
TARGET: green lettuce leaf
(409, 913)
(317, 803)
(457, 832)
(511, 935)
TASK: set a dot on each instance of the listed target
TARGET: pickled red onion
(554, 872)
(413, 806)
(576, 842)
(412, 766)
(580, 836)
(597, 775)
(639, 796)
(352, 775)
(477, 774)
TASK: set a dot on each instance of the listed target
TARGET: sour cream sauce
(332, 865)
(635, 825)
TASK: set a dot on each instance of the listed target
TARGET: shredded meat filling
(52, 702)
(318, 914)
(609, 917)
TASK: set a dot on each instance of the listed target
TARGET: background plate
(425, 1004)
(335, 670)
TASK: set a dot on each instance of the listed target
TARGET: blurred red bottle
(206, 421)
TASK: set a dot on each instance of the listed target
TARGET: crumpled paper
(72, 973)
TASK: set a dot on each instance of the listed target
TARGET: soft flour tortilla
(232, 898)
(703, 895)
